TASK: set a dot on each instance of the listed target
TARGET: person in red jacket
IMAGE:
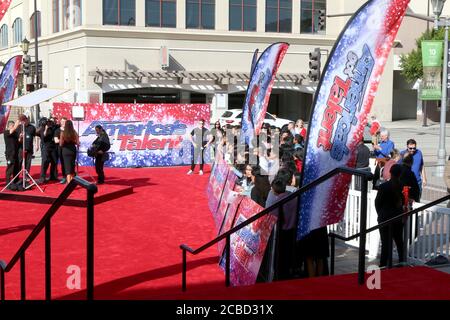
(375, 128)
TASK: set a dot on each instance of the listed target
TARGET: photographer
(99, 149)
(11, 137)
(30, 134)
(48, 149)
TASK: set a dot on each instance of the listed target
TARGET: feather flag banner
(341, 105)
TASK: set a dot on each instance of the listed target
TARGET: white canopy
(36, 97)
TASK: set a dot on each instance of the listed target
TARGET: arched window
(32, 29)
(4, 36)
(17, 31)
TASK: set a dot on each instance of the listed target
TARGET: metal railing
(365, 177)
(45, 223)
(430, 235)
(388, 223)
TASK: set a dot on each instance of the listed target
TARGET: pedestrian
(382, 153)
(102, 146)
(389, 204)
(300, 128)
(28, 136)
(362, 161)
(56, 137)
(68, 142)
(375, 128)
(200, 139)
(11, 137)
(418, 167)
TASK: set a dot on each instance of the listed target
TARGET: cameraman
(11, 137)
(30, 134)
(48, 149)
(102, 145)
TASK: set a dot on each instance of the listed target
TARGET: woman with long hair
(68, 142)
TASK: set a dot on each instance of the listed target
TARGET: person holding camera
(28, 136)
(99, 148)
(48, 150)
(68, 142)
(11, 150)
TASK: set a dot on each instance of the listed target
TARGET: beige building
(189, 51)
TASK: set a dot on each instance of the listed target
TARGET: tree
(411, 64)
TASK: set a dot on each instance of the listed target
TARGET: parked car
(233, 117)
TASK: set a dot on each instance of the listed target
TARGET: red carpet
(137, 256)
(137, 237)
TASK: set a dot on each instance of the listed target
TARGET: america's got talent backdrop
(141, 135)
(259, 89)
(8, 82)
(343, 100)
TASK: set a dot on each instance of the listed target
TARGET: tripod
(24, 172)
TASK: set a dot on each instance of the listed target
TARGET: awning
(36, 97)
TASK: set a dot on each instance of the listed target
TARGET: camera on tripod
(43, 122)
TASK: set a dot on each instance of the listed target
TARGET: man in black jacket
(29, 137)
(102, 145)
(389, 204)
(48, 150)
(11, 137)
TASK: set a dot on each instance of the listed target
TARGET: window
(17, 31)
(119, 12)
(4, 36)
(278, 15)
(67, 14)
(32, 26)
(161, 13)
(56, 12)
(200, 14)
(309, 15)
(243, 15)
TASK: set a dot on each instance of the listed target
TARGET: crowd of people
(274, 172)
(269, 170)
(58, 142)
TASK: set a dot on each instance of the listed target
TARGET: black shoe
(100, 182)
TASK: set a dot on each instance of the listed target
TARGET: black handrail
(387, 223)
(45, 223)
(366, 175)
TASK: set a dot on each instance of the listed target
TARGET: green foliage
(411, 63)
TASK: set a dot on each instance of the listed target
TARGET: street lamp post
(438, 5)
(36, 49)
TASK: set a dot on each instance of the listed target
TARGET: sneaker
(201, 172)
(190, 172)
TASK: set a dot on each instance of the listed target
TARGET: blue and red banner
(248, 244)
(259, 89)
(342, 102)
(141, 135)
(4, 5)
(8, 82)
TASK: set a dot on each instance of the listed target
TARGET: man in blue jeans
(418, 167)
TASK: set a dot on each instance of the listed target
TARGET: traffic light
(322, 19)
(314, 65)
(26, 65)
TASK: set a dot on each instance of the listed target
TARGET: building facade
(181, 51)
